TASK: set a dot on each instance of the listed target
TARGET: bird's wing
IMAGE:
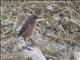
(24, 27)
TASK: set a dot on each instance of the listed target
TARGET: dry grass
(58, 35)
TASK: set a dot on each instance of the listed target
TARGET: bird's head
(36, 13)
(33, 17)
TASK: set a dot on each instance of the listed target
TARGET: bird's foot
(29, 47)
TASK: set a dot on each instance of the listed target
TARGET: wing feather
(24, 27)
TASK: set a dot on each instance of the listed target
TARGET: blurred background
(56, 33)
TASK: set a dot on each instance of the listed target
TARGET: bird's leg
(28, 46)
(25, 41)
(31, 42)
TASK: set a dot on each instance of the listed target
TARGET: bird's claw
(29, 47)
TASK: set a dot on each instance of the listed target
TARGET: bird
(28, 27)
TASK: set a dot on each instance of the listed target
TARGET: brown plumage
(27, 28)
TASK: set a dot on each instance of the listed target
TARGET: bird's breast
(28, 31)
